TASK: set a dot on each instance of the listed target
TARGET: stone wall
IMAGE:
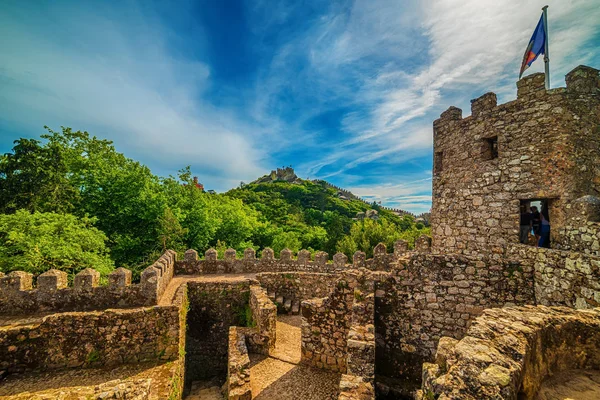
(359, 380)
(562, 278)
(214, 308)
(507, 353)
(428, 296)
(544, 145)
(325, 326)
(286, 262)
(51, 293)
(264, 318)
(91, 339)
(238, 366)
(294, 287)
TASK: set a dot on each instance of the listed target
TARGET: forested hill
(316, 215)
(69, 200)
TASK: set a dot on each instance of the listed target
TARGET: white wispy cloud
(116, 78)
(471, 45)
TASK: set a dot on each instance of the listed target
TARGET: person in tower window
(535, 223)
(525, 225)
(544, 240)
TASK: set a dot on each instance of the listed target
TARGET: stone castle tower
(545, 145)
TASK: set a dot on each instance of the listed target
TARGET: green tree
(36, 242)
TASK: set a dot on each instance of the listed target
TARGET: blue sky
(341, 90)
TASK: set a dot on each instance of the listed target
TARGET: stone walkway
(75, 384)
(177, 281)
(205, 391)
(575, 384)
(281, 377)
(289, 339)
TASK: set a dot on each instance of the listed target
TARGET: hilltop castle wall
(507, 353)
(286, 262)
(92, 339)
(51, 293)
(544, 145)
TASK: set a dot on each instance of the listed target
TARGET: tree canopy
(69, 183)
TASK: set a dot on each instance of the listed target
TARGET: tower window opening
(491, 148)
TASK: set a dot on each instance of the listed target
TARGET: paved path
(281, 377)
(205, 390)
(573, 384)
(178, 280)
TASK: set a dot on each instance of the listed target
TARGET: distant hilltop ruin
(285, 174)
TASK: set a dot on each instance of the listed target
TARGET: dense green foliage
(70, 179)
(41, 241)
(310, 215)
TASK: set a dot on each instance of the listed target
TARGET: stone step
(280, 300)
(271, 295)
(287, 305)
(296, 307)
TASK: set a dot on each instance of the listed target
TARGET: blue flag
(535, 47)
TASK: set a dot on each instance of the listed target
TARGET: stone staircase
(285, 305)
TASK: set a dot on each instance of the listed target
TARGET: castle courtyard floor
(281, 377)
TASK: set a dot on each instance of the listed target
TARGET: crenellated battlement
(543, 146)
(303, 261)
(582, 81)
(51, 292)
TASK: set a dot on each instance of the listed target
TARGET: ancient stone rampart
(542, 146)
(507, 353)
(91, 339)
(289, 289)
(428, 296)
(51, 292)
(359, 381)
(562, 278)
(325, 326)
(214, 308)
(264, 321)
(238, 366)
(286, 262)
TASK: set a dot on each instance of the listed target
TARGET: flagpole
(546, 55)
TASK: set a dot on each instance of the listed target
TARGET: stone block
(531, 84)
(483, 104)
(339, 260)
(249, 254)
(583, 80)
(210, 255)
(121, 277)
(285, 256)
(17, 280)
(52, 280)
(190, 255)
(379, 251)
(321, 258)
(267, 254)
(400, 247)
(359, 259)
(230, 255)
(87, 279)
(303, 257)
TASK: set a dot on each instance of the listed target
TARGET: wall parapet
(562, 278)
(73, 339)
(507, 353)
(238, 366)
(359, 381)
(264, 315)
(19, 296)
(211, 264)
